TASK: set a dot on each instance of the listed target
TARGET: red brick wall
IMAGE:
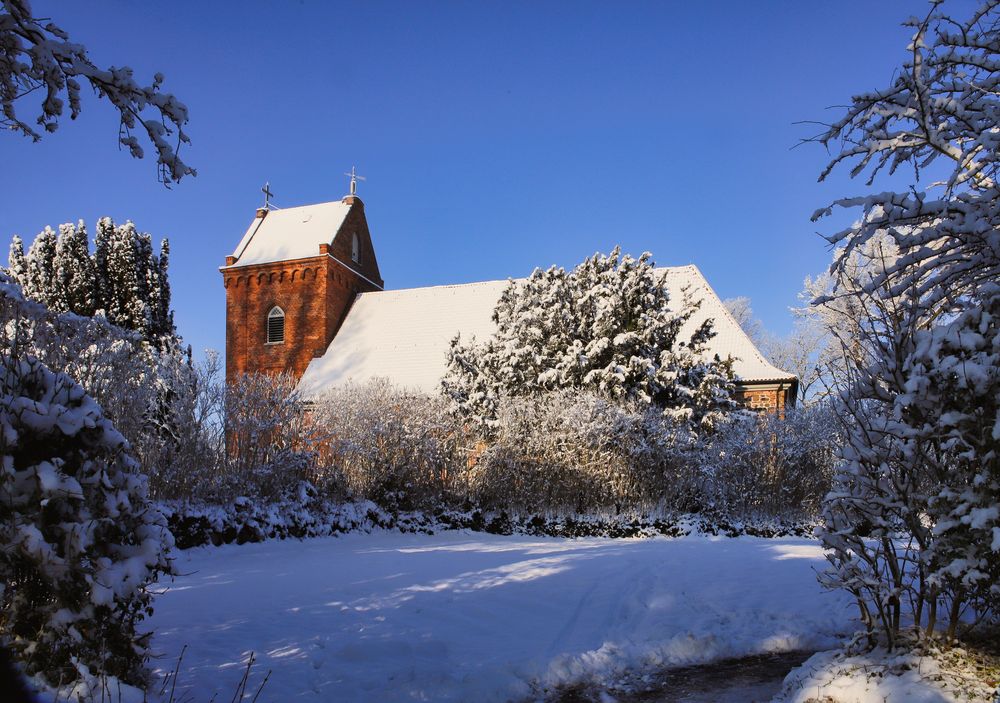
(315, 294)
(769, 399)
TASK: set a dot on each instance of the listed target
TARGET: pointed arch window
(276, 326)
(355, 248)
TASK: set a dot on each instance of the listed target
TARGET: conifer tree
(74, 269)
(126, 308)
(102, 282)
(16, 261)
(39, 283)
(144, 279)
(607, 326)
(124, 279)
(164, 314)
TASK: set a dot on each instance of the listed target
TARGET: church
(304, 295)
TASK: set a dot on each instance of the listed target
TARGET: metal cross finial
(354, 180)
(266, 190)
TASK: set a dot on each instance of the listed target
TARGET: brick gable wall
(766, 397)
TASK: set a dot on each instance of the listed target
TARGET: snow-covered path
(457, 616)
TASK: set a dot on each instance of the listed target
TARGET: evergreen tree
(16, 261)
(74, 269)
(124, 279)
(164, 315)
(39, 282)
(102, 281)
(126, 308)
(80, 543)
(145, 276)
(606, 326)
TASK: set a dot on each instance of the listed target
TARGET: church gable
(352, 244)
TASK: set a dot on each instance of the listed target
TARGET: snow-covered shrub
(607, 327)
(767, 464)
(149, 393)
(269, 446)
(951, 411)
(384, 444)
(565, 452)
(107, 324)
(79, 541)
(912, 520)
(578, 452)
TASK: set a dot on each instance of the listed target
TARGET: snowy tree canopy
(940, 116)
(607, 326)
(39, 58)
(124, 279)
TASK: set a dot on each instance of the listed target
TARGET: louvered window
(355, 248)
(276, 326)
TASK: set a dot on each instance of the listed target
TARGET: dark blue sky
(496, 136)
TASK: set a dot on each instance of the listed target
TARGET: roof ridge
(443, 285)
(503, 280)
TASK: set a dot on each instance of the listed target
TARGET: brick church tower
(291, 281)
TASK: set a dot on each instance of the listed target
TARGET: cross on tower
(266, 190)
(354, 180)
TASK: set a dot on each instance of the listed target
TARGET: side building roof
(403, 335)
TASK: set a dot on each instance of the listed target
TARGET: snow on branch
(37, 56)
(940, 115)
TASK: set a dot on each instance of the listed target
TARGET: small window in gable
(355, 248)
(276, 326)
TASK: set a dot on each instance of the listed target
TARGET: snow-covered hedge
(770, 465)
(568, 452)
(575, 452)
(304, 512)
(268, 447)
(378, 442)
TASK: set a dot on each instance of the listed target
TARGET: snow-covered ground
(458, 616)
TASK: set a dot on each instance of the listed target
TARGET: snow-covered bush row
(378, 442)
(568, 452)
(578, 453)
(268, 444)
(769, 465)
(79, 540)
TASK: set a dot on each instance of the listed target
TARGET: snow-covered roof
(729, 339)
(403, 335)
(290, 233)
